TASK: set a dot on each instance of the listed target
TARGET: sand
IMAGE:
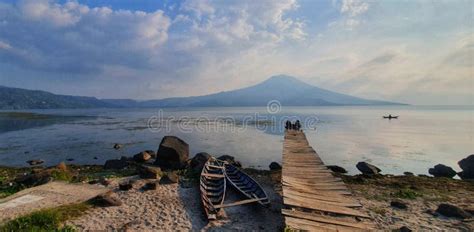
(176, 208)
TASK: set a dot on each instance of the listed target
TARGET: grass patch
(407, 194)
(64, 175)
(378, 210)
(47, 219)
(7, 190)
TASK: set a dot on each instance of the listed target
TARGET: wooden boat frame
(213, 187)
(245, 182)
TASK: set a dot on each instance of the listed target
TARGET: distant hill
(288, 90)
(16, 99)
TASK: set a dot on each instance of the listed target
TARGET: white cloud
(354, 7)
(74, 38)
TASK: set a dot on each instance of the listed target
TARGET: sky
(416, 52)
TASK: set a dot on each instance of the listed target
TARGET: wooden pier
(314, 199)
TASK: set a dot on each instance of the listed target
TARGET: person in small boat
(297, 125)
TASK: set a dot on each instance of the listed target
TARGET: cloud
(74, 38)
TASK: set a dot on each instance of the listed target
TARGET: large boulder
(337, 169)
(149, 172)
(172, 153)
(198, 161)
(115, 164)
(274, 166)
(368, 169)
(452, 211)
(142, 157)
(467, 166)
(230, 160)
(442, 170)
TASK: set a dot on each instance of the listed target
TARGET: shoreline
(420, 196)
(167, 186)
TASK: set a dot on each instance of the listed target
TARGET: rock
(404, 229)
(198, 161)
(35, 162)
(106, 200)
(93, 182)
(115, 164)
(274, 166)
(336, 169)
(230, 159)
(431, 212)
(142, 157)
(398, 204)
(117, 146)
(125, 186)
(452, 211)
(35, 178)
(149, 172)
(442, 170)
(467, 166)
(104, 181)
(408, 174)
(172, 153)
(368, 169)
(151, 153)
(470, 210)
(169, 178)
(149, 186)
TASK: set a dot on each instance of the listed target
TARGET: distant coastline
(285, 90)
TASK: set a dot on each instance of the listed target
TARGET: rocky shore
(159, 190)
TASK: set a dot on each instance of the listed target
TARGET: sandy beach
(172, 207)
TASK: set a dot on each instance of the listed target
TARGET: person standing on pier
(297, 125)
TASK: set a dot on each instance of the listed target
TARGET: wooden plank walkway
(315, 200)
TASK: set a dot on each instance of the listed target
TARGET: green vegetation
(47, 219)
(60, 174)
(407, 194)
(93, 172)
(378, 210)
(7, 176)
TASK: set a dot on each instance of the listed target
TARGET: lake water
(422, 137)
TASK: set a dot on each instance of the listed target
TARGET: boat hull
(245, 184)
(212, 187)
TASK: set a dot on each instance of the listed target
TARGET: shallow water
(422, 137)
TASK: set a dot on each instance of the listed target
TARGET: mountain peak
(283, 80)
(282, 77)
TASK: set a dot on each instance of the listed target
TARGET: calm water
(419, 139)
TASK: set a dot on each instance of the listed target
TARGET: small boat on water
(213, 187)
(246, 185)
(391, 117)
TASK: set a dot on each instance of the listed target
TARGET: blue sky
(418, 52)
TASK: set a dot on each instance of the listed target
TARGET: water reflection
(419, 139)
